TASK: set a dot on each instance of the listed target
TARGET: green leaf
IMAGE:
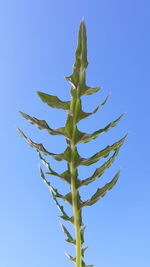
(70, 257)
(82, 234)
(99, 171)
(64, 216)
(42, 125)
(83, 251)
(59, 157)
(46, 164)
(84, 138)
(65, 176)
(83, 115)
(39, 147)
(56, 194)
(68, 198)
(103, 153)
(101, 191)
(77, 79)
(54, 101)
(69, 236)
(90, 91)
(50, 187)
(84, 265)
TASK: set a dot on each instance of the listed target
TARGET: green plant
(73, 137)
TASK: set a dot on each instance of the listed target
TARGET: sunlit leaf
(54, 101)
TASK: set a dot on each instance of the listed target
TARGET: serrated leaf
(42, 125)
(51, 188)
(37, 146)
(70, 257)
(77, 79)
(90, 91)
(83, 251)
(69, 236)
(82, 234)
(103, 153)
(84, 137)
(99, 171)
(83, 115)
(56, 194)
(54, 101)
(59, 157)
(101, 191)
(61, 209)
(84, 265)
(65, 176)
(68, 198)
(46, 164)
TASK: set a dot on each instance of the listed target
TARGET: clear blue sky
(37, 44)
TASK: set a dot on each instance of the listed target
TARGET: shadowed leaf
(69, 237)
(65, 176)
(84, 138)
(101, 191)
(103, 153)
(64, 216)
(42, 125)
(51, 188)
(70, 257)
(83, 115)
(99, 171)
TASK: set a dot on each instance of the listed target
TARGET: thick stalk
(75, 196)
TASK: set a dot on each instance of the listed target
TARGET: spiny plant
(73, 137)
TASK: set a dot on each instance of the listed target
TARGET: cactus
(74, 136)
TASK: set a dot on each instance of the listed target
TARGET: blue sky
(37, 45)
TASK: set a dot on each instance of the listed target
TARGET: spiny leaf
(84, 265)
(90, 91)
(103, 153)
(101, 191)
(39, 147)
(67, 197)
(84, 137)
(77, 79)
(46, 164)
(83, 251)
(42, 124)
(83, 115)
(59, 157)
(99, 171)
(54, 101)
(65, 176)
(74, 258)
(69, 236)
(51, 188)
(61, 208)
(82, 234)
(70, 257)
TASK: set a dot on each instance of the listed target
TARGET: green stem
(74, 190)
(76, 216)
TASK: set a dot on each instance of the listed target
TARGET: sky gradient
(37, 44)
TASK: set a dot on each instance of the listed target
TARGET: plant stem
(76, 213)
(74, 190)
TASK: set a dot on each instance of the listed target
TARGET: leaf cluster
(74, 136)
